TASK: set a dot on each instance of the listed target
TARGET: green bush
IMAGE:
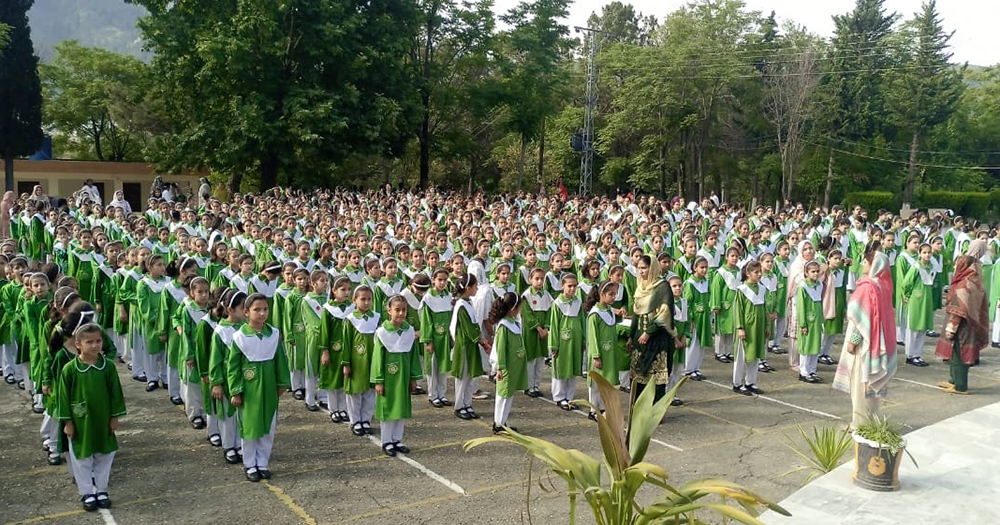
(872, 201)
(972, 204)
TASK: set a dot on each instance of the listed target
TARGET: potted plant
(612, 499)
(878, 448)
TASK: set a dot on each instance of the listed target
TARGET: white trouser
(693, 354)
(437, 382)
(463, 389)
(257, 452)
(49, 430)
(361, 407)
(779, 330)
(724, 344)
(156, 368)
(310, 381)
(392, 431)
(901, 325)
(91, 473)
(194, 398)
(825, 345)
(140, 357)
(807, 364)
(563, 389)
(535, 372)
(501, 409)
(675, 377)
(174, 383)
(228, 427)
(995, 336)
(335, 400)
(29, 385)
(298, 379)
(915, 342)
(9, 355)
(625, 378)
(594, 396)
(744, 372)
(211, 425)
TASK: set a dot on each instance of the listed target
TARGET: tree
(4, 36)
(927, 88)
(20, 89)
(791, 79)
(281, 88)
(536, 47)
(83, 87)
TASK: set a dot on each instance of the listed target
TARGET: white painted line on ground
(916, 383)
(780, 402)
(107, 517)
(452, 486)
(584, 414)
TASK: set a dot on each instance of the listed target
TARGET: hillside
(109, 24)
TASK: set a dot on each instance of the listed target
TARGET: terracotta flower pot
(876, 467)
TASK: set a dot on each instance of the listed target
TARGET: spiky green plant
(887, 433)
(823, 451)
(614, 502)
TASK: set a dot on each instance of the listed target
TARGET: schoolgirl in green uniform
(751, 323)
(565, 342)
(8, 352)
(315, 336)
(682, 325)
(781, 262)
(809, 317)
(435, 318)
(229, 312)
(389, 284)
(359, 333)
(906, 259)
(508, 356)
(918, 288)
(466, 332)
(106, 289)
(395, 370)
(88, 404)
(150, 321)
(602, 338)
(698, 297)
(186, 318)
(281, 292)
(725, 282)
(293, 330)
(127, 295)
(769, 280)
(535, 317)
(34, 314)
(80, 265)
(257, 374)
(171, 310)
(836, 278)
(331, 369)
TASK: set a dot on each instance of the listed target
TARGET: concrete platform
(958, 478)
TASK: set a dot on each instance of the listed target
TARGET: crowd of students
(356, 303)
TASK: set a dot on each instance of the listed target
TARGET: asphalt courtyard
(167, 472)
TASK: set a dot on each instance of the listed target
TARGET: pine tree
(20, 89)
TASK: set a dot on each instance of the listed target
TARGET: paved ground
(167, 472)
(958, 475)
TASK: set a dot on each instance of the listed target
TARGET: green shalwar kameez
(359, 333)
(89, 396)
(723, 294)
(535, 313)
(35, 313)
(566, 337)
(602, 336)
(172, 313)
(809, 314)
(435, 318)
(750, 315)
(315, 329)
(218, 366)
(918, 285)
(837, 279)
(698, 297)
(81, 267)
(257, 369)
(395, 363)
(293, 330)
(466, 335)
(151, 323)
(511, 358)
(331, 377)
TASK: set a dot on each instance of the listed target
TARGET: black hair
(73, 320)
(503, 306)
(464, 283)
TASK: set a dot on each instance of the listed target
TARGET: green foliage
(92, 98)
(967, 204)
(872, 201)
(20, 89)
(4, 36)
(624, 450)
(823, 450)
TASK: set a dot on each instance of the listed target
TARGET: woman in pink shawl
(867, 362)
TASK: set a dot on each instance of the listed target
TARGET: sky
(976, 39)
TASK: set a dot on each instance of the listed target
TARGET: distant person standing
(966, 329)
(204, 192)
(91, 192)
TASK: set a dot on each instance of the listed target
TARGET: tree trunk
(234, 183)
(911, 175)
(829, 181)
(520, 161)
(541, 160)
(268, 172)
(425, 142)
(701, 176)
(8, 172)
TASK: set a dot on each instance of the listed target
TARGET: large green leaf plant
(615, 502)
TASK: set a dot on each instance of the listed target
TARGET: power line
(907, 150)
(905, 163)
(667, 67)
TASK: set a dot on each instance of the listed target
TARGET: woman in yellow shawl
(652, 337)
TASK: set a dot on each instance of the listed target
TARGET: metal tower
(587, 159)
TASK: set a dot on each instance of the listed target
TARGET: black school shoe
(917, 361)
(141, 379)
(215, 440)
(463, 413)
(401, 448)
(741, 391)
(299, 394)
(103, 501)
(232, 457)
(253, 474)
(436, 403)
(152, 385)
(389, 449)
(89, 502)
(723, 358)
(753, 389)
(357, 429)
(312, 408)
(827, 360)
(54, 458)
(811, 378)
(198, 423)
(366, 427)
(9, 379)
(176, 401)
(264, 473)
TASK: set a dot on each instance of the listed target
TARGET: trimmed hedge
(972, 204)
(872, 201)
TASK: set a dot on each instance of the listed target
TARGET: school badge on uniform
(725, 305)
(520, 354)
(249, 374)
(606, 346)
(699, 308)
(439, 328)
(79, 409)
(336, 346)
(392, 369)
(811, 317)
(566, 335)
(360, 349)
(299, 327)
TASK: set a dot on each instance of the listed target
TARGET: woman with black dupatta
(652, 335)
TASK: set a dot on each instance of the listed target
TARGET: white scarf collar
(569, 308)
(605, 314)
(699, 286)
(459, 305)
(815, 292)
(396, 342)
(257, 349)
(365, 325)
(155, 286)
(680, 310)
(756, 298)
(438, 303)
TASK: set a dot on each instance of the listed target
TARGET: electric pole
(587, 160)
